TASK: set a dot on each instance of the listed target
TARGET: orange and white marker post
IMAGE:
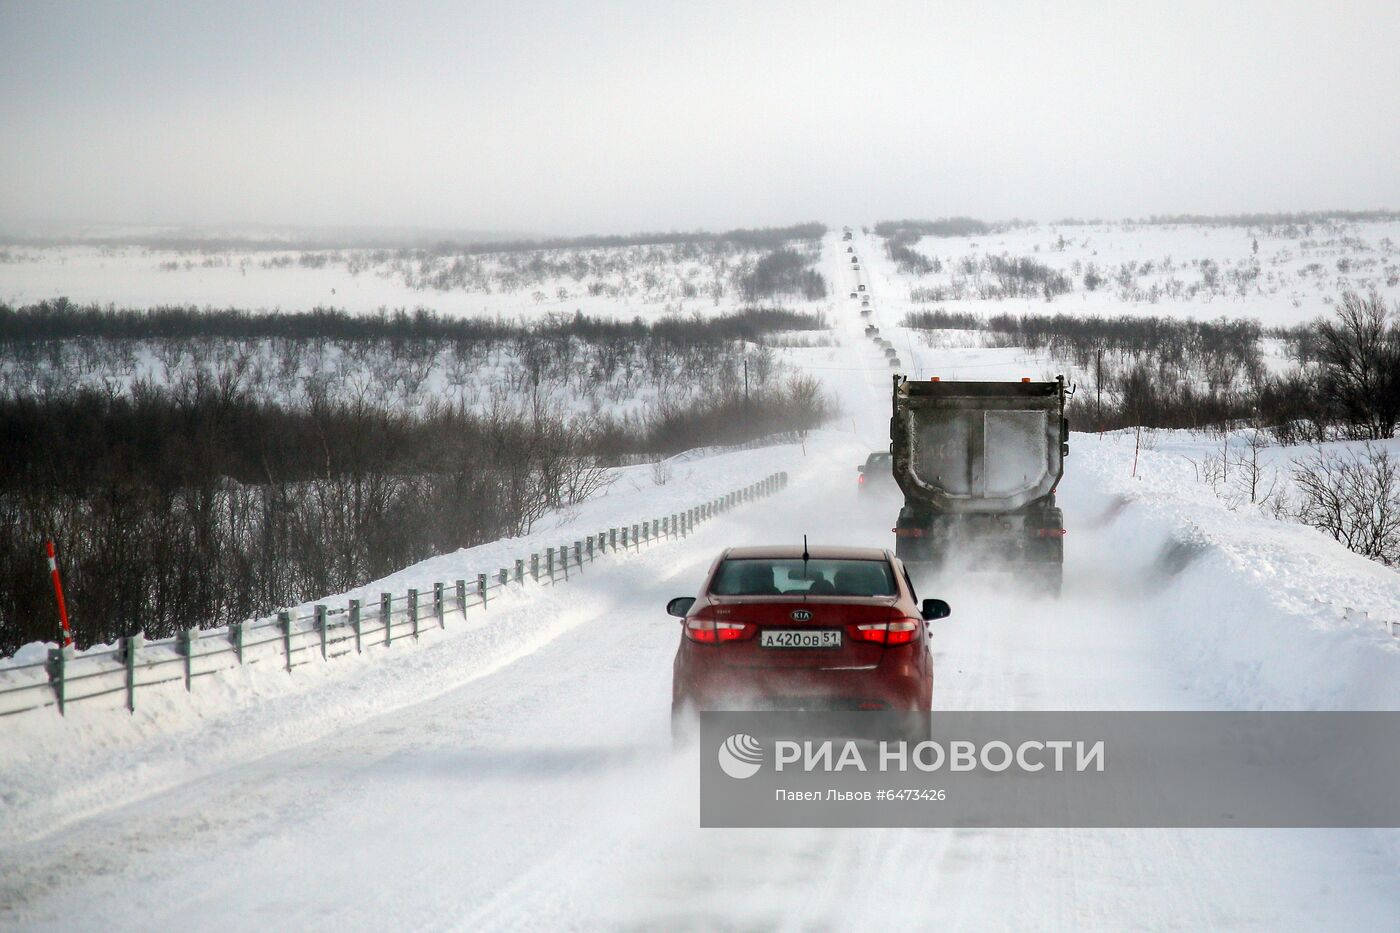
(58, 592)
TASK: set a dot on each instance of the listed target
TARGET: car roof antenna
(805, 555)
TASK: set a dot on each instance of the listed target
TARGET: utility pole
(1098, 387)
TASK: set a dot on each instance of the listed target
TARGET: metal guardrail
(295, 639)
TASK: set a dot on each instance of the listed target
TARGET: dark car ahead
(840, 628)
(876, 472)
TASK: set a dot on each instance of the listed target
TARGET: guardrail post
(129, 646)
(505, 578)
(636, 540)
(440, 604)
(386, 615)
(578, 555)
(355, 622)
(535, 567)
(612, 543)
(564, 559)
(284, 619)
(481, 588)
(520, 570)
(590, 548)
(462, 597)
(54, 665)
(413, 611)
(235, 638)
(549, 562)
(321, 629)
(184, 645)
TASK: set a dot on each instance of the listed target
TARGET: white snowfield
(517, 771)
(1175, 270)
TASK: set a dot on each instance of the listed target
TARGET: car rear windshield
(814, 577)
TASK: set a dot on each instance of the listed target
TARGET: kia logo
(801, 615)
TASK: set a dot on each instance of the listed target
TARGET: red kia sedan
(782, 628)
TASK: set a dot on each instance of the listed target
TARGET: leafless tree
(1360, 353)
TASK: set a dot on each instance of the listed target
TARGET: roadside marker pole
(58, 592)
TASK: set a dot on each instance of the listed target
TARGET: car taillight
(907, 532)
(709, 632)
(860, 480)
(1050, 532)
(898, 632)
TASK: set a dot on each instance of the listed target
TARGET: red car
(779, 628)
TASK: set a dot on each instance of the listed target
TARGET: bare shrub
(1354, 496)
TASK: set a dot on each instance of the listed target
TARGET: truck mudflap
(1029, 546)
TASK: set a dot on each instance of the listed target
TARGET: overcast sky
(611, 117)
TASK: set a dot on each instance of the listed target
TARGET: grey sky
(610, 117)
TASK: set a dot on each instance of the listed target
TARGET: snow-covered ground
(520, 773)
(1185, 270)
(1175, 270)
(614, 282)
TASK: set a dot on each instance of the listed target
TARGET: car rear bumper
(898, 682)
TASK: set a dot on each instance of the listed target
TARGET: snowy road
(546, 794)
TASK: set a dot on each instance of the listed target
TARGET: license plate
(800, 638)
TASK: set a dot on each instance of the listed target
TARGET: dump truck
(978, 463)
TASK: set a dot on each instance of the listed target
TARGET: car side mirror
(679, 606)
(935, 609)
(861, 468)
